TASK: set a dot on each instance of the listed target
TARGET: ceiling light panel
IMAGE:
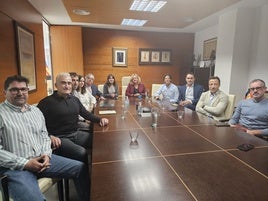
(133, 22)
(147, 5)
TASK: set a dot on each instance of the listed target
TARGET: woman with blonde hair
(135, 87)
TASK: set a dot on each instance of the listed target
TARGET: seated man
(251, 115)
(190, 93)
(93, 89)
(168, 90)
(213, 102)
(61, 111)
(25, 147)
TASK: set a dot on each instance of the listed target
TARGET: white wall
(225, 48)
(259, 51)
(201, 36)
(242, 48)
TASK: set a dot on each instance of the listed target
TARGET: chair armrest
(4, 188)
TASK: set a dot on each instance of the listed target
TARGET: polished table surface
(181, 159)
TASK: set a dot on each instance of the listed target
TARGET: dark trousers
(75, 146)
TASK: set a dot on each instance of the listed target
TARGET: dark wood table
(187, 159)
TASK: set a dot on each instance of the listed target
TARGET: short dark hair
(258, 80)
(215, 78)
(73, 74)
(168, 76)
(13, 78)
(190, 73)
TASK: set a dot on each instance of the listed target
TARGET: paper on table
(107, 112)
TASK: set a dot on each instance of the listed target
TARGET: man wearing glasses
(251, 115)
(25, 147)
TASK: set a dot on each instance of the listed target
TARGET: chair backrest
(100, 87)
(124, 91)
(229, 109)
(266, 94)
(155, 87)
(125, 80)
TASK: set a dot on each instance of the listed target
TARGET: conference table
(179, 159)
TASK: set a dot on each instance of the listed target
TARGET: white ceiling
(173, 17)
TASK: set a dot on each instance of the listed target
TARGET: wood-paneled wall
(22, 12)
(97, 50)
(67, 52)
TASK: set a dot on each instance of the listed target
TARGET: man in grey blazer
(213, 102)
(190, 93)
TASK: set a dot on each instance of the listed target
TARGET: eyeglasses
(16, 90)
(256, 88)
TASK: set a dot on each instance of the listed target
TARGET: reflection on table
(180, 159)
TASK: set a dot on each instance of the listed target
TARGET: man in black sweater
(61, 110)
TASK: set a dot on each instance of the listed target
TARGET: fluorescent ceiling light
(147, 5)
(81, 12)
(133, 22)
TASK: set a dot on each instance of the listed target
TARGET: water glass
(134, 134)
(123, 112)
(180, 114)
(139, 108)
(155, 115)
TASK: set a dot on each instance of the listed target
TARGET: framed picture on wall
(26, 54)
(166, 56)
(155, 56)
(119, 56)
(144, 55)
(209, 48)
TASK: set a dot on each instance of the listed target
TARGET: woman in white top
(86, 98)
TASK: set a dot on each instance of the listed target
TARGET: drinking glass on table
(180, 114)
(155, 115)
(123, 111)
(134, 134)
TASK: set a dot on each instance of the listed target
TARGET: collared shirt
(189, 95)
(89, 90)
(211, 97)
(23, 135)
(170, 92)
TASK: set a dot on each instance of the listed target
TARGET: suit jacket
(198, 90)
(216, 108)
(95, 91)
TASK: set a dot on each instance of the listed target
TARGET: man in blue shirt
(168, 90)
(251, 115)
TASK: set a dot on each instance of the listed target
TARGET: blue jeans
(23, 185)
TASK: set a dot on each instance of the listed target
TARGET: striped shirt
(23, 135)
